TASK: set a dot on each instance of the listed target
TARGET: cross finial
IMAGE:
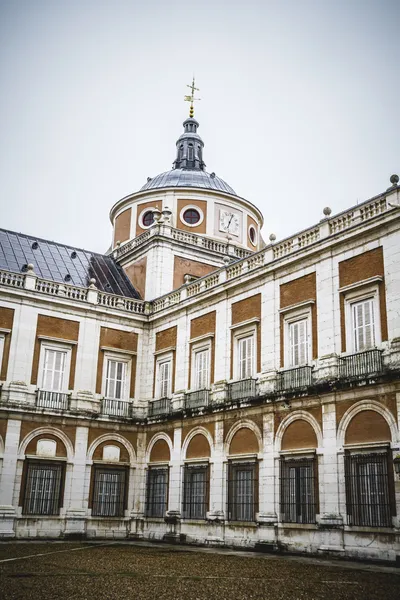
(191, 98)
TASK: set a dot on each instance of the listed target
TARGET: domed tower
(182, 223)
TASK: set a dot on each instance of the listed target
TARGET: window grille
(246, 356)
(164, 378)
(115, 379)
(298, 343)
(202, 369)
(54, 369)
(363, 322)
(299, 490)
(109, 492)
(195, 491)
(43, 489)
(157, 491)
(242, 491)
(369, 489)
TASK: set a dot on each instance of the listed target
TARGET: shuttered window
(43, 488)
(109, 492)
(164, 378)
(54, 370)
(246, 357)
(298, 342)
(202, 369)
(115, 379)
(363, 325)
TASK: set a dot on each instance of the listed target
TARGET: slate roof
(189, 178)
(64, 264)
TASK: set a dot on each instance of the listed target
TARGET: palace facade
(197, 384)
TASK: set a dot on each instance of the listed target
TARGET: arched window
(190, 153)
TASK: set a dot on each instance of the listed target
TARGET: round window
(148, 218)
(252, 235)
(191, 216)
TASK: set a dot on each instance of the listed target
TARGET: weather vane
(191, 98)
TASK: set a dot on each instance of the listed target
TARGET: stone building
(198, 384)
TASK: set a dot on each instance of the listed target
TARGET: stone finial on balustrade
(156, 215)
(166, 214)
(92, 296)
(30, 277)
(272, 238)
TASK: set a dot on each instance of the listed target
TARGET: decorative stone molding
(219, 392)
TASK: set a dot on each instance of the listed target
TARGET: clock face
(229, 222)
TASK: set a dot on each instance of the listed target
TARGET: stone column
(267, 517)
(77, 510)
(216, 514)
(136, 530)
(7, 479)
(173, 515)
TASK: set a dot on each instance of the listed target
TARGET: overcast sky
(299, 105)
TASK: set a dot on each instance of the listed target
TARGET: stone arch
(366, 405)
(295, 416)
(112, 437)
(192, 434)
(52, 431)
(156, 438)
(243, 424)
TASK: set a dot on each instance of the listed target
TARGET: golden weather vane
(191, 98)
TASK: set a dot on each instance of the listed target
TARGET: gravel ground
(152, 572)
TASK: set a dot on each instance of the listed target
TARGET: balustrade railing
(52, 400)
(362, 364)
(12, 279)
(294, 379)
(242, 390)
(113, 407)
(197, 399)
(161, 407)
(121, 302)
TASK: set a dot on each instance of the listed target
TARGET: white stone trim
(362, 283)
(251, 226)
(191, 207)
(243, 324)
(56, 340)
(141, 215)
(298, 415)
(159, 436)
(112, 437)
(243, 424)
(196, 431)
(297, 306)
(46, 431)
(117, 351)
(360, 407)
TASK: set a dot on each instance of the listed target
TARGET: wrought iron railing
(53, 400)
(242, 390)
(354, 366)
(160, 407)
(116, 408)
(294, 379)
(197, 399)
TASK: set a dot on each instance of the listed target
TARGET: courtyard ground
(124, 571)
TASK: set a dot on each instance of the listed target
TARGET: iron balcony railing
(242, 390)
(294, 379)
(160, 407)
(197, 399)
(53, 400)
(113, 407)
(353, 366)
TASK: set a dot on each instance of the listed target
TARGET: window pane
(43, 487)
(116, 379)
(298, 343)
(109, 493)
(298, 493)
(195, 492)
(53, 370)
(157, 488)
(363, 325)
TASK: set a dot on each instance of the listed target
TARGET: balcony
(362, 364)
(161, 407)
(197, 399)
(116, 408)
(294, 379)
(52, 400)
(242, 390)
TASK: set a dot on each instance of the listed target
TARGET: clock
(229, 222)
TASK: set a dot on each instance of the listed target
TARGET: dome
(188, 178)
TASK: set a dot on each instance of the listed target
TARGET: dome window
(148, 218)
(191, 216)
(190, 153)
(253, 235)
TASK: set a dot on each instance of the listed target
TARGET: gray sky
(299, 110)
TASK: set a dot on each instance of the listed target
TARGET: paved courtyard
(52, 570)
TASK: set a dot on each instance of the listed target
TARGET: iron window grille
(369, 362)
(242, 491)
(299, 490)
(369, 489)
(43, 488)
(196, 485)
(157, 491)
(109, 491)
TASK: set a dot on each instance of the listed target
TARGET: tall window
(245, 351)
(109, 491)
(190, 153)
(298, 338)
(164, 378)
(202, 368)
(2, 341)
(157, 491)
(195, 491)
(54, 367)
(363, 324)
(369, 489)
(115, 379)
(242, 491)
(298, 490)
(43, 488)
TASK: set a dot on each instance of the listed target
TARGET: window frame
(27, 483)
(161, 359)
(150, 510)
(49, 346)
(233, 506)
(119, 358)
(289, 319)
(188, 507)
(191, 207)
(2, 346)
(298, 512)
(123, 496)
(196, 349)
(238, 336)
(353, 298)
(142, 213)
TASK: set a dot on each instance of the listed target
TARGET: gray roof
(188, 178)
(63, 264)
